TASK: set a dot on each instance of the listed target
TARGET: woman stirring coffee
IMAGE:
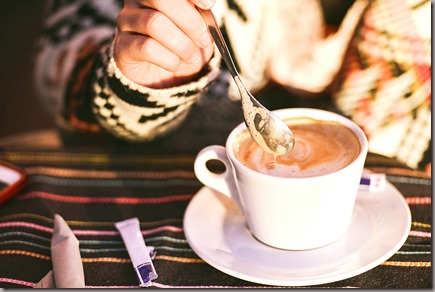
(135, 68)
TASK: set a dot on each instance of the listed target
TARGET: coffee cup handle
(222, 182)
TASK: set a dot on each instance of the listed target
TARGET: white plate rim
(390, 193)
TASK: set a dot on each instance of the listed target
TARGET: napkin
(46, 282)
(66, 260)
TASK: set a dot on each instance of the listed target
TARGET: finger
(204, 4)
(159, 27)
(186, 17)
(139, 48)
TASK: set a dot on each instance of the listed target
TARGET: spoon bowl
(268, 131)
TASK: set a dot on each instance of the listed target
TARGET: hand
(162, 43)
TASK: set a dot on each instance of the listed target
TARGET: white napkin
(65, 255)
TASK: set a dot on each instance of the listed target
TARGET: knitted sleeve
(80, 85)
(139, 113)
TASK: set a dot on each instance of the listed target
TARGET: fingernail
(205, 39)
(196, 57)
(206, 4)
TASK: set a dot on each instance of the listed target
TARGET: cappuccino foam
(321, 147)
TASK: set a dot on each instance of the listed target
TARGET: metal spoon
(267, 130)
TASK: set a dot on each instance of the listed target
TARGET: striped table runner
(93, 190)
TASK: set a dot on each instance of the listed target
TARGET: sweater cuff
(135, 112)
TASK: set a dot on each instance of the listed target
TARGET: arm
(91, 78)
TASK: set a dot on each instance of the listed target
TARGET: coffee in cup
(306, 207)
(321, 147)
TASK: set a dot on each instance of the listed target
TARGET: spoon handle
(219, 40)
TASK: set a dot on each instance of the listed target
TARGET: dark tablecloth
(93, 185)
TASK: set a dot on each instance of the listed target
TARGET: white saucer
(216, 231)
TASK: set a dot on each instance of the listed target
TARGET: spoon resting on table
(268, 131)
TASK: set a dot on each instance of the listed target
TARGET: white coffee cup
(288, 213)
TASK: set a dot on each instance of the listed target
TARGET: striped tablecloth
(92, 188)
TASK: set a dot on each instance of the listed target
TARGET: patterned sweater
(81, 85)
